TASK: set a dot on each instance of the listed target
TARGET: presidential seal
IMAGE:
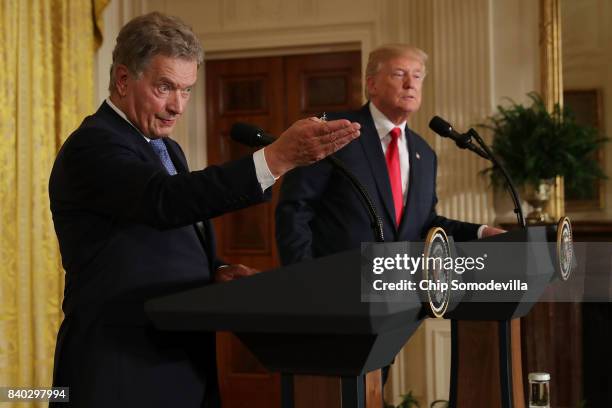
(437, 248)
(565, 248)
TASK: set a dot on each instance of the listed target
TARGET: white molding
(281, 51)
(272, 40)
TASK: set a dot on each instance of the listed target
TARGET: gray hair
(153, 34)
(385, 52)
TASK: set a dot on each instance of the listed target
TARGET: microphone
(250, 135)
(444, 129)
(464, 141)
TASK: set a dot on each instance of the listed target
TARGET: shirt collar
(383, 124)
(124, 116)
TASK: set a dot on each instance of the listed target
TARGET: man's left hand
(227, 273)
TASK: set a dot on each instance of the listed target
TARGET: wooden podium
(303, 320)
(486, 368)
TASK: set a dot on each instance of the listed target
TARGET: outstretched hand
(308, 141)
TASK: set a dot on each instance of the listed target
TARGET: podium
(306, 318)
(309, 319)
(486, 368)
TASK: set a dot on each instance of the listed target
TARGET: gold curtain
(46, 88)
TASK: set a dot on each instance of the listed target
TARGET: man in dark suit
(132, 223)
(319, 213)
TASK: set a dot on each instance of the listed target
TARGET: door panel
(322, 83)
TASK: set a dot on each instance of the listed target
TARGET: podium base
(486, 364)
(306, 391)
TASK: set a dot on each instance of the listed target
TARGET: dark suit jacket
(319, 213)
(127, 232)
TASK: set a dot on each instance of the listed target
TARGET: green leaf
(534, 144)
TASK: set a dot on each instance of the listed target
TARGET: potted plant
(535, 146)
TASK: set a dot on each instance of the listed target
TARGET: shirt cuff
(480, 231)
(262, 171)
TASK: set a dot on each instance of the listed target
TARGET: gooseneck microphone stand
(375, 220)
(491, 157)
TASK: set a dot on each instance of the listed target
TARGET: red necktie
(395, 176)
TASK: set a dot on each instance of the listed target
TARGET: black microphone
(464, 141)
(444, 129)
(250, 135)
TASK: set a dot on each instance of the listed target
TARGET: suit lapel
(414, 159)
(177, 156)
(203, 229)
(370, 142)
(126, 128)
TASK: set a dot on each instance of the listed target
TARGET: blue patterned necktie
(160, 148)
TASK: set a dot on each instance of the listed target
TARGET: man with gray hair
(132, 223)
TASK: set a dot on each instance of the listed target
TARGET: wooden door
(322, 83)
(271, 93)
